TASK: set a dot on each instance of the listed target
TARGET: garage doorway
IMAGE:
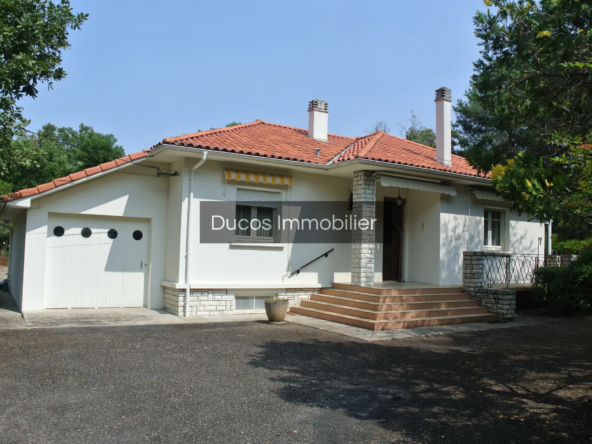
(96, 261)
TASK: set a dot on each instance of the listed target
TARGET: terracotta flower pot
(276, 310)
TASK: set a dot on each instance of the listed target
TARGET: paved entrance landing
(395, 285)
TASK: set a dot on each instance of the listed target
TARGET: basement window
(251, 302)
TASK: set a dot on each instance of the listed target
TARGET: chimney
(318, 119)
(443, 126)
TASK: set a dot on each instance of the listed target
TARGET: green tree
(559, 188)
(379, 126)
(227, 126)
(416, 132)
(56, 152)
(33, 34)
(88, 148)
(527, 85)
(527, 107)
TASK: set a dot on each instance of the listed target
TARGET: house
(129, 233)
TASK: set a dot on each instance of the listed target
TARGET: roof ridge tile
(371, 143)
(211, 131)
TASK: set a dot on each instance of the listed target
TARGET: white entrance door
(96, 261)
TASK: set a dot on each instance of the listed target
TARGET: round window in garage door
(137, 235)
(112, 233)
(86, 232)
(58, 231)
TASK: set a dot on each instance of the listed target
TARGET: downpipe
(10, 234)
(188, 233)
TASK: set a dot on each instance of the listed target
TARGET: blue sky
(146, 70)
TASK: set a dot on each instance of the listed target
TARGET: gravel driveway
(257, 383)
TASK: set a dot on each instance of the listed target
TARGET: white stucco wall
(177, 195)
(422, 221)
(133, 192)
(461, 223)
(17, 256)
(437, 229)
(222, 263)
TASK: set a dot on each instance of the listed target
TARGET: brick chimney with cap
(444, 126)
(318, 120)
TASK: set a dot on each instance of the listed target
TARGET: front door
(392, 240)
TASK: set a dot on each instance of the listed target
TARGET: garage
(96, 261)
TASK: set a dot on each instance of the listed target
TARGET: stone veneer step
(392, 324)
(412, 304)
(396, 291)
(387, 308)
(396, 298)
(393, 315)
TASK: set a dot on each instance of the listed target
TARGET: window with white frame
(492, 228)
(256, 214)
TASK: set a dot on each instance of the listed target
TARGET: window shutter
(258, 198)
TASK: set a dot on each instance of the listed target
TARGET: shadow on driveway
(517, 385)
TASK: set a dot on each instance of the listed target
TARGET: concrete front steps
(388, 308)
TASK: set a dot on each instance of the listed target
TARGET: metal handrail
(308, 263)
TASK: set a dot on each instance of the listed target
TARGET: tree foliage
(567, 290)
(57, 152)
(415, 131)
(559, 188)
(528, 111)
(379, 126)
(228, 125)
(33, 34)
(530, 82)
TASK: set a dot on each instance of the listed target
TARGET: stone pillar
(567, 259)
(500, 301)
(473, 270)
(553, 261)
(363, 240)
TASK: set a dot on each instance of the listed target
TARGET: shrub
(573, 245)
(276, 300)
(3, 261)
(568, 291)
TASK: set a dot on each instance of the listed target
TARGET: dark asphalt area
(261, 383)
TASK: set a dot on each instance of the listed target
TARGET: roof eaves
(75, 178)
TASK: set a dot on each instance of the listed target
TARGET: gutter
(249, 156)
(328, 166)
(188, 233)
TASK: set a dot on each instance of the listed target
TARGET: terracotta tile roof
(384, 147)
(266, 140)
(74, 176)
(275, 141)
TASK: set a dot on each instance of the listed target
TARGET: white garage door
(95, 261)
